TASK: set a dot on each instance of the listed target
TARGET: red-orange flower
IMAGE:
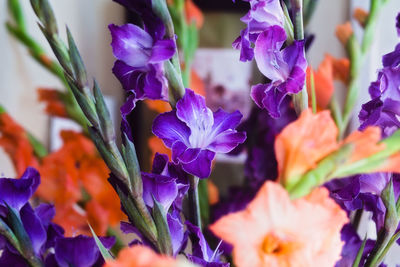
(54, 104)
(193, 14)
(274, 231)
(14, 140)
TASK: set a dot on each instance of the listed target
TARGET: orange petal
(303, 143)
(15, 142)
(213, 192)
(54, 104)
(361, 15)
(344, 32)
(193, 14)
(323, 80)
(366, 143)
(341, 69)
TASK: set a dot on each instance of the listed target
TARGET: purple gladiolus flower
(17, 192)
(398, 24)
(262, 14)
(80, 251)
(139, 67)
(202, 253)
(195, 134)
(285, 68)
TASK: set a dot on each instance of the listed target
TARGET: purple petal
(162, 50)
(273, 99)
(163, 188)
(192, 110)
(176, 228)
(7, 258)
(33, 227)
(46, 213)
(201, 166)
(268, 56)
(160, 164)
(181, 153)
(294, 56)
(224, 121)
(392, 59)
(80, 251)
(398, 24)
(243, 43)
(170, 129)
(131, 44)
(227, 141)
(17, 192)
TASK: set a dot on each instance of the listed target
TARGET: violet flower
(262, 14)
(46, 239)
(285, 68)
(195, 134)
(139, 67)
(202, 253)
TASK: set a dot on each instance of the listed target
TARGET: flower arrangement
(308, 178)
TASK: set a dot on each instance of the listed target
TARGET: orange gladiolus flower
(329, 70)
(213, 192)
(193, 14)
(141, 256)
(344, 32)
(361, 15)
(14, 140)
(54, 105)
(274, 231)
(303, 143)
(306, 141)
(75, 167)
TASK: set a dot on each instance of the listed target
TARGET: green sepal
(112, 163)
(22, 236)
(87, 107)
(104, 252)
(106, 126)
(9, 235)
(288, 25)
(59, 50)
(47, 17)
(76, 61)
(132, 165)
(360, 252)
(160, 8)
(148, 229)
(391, 216)
(163, 233)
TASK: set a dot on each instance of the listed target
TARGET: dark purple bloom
(398, 24)
(163, 188)
(383, 110)
(17, 192)
(285, 68)
(262, 14)
(195, 134)
(139, 67)
(80, 251)
(351, 247)
(202, 253)
(152, 23)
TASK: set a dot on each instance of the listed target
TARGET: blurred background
(226, 79)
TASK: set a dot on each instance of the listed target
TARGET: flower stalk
(300, 100)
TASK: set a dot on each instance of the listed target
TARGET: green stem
(194, 204)
(300, 100)
(313, 96)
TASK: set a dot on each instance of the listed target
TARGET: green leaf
(47, 17)
(104, 252)
(357, 260)
(39, 149)
(163, 233)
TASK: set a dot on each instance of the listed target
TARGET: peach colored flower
(53, 100)
(141, 256)
(344, 32)
(303, 143)
(274, 231)
(312, 137)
